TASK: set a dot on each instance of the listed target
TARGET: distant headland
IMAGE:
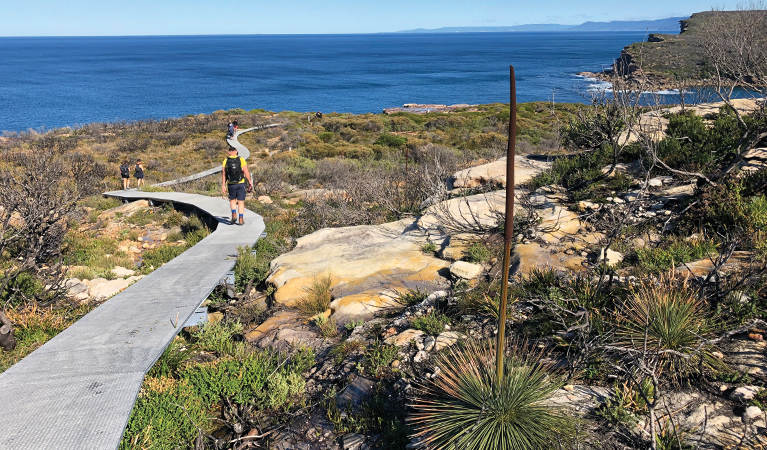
(669, 25)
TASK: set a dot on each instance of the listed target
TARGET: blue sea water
(49, 82)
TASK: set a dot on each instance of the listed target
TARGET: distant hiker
(233, 178)
(138, 172)
(319, 114)
(230, 131)
(234, 133)
(125, 174)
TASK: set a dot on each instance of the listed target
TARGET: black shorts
(126, 177)
(237, 191)
(140, 176)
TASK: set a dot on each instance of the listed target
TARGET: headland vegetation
(366, 316)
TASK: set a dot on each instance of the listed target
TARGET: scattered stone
(353, 441)
(101, 288)
(446, 339)
(356, 394)
(428, 343)
(752, 413)
(405, 337)
(265, 200)
(214, 317)
(465, 270)
(420, 357)
(610, 257)
(655, 182)
(745, 393)
(122, 272)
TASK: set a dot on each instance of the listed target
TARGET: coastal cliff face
(664, 60)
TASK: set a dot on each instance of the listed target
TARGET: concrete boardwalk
(77, 391)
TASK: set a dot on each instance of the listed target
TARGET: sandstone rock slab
(495, 172)
(405, 337)
(465, 270)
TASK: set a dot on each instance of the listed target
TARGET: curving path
(77, 391)
(241, 149)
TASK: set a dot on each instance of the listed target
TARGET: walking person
(125, 174)
(230, 131)
(234, 176)
(234, 134)
(138, 172)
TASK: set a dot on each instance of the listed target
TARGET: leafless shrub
(133, 145)
(211, 147)
(175, 138)
(38, 193)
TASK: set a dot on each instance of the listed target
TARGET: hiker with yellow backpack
(233, 179)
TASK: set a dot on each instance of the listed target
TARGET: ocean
(50, 82)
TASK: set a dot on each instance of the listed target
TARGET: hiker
(138, 172)
(230, 131)
(234, 133)
(233, 179)
(125, 174)
(319, 114)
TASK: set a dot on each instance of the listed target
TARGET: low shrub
(673, 254)
(241, 379)
(327, 326)
(477, 253)
(378, 359)
(218, 337)
(341, 351)
(317, 298)
(165, 417)
(432, 323)
(413, 296)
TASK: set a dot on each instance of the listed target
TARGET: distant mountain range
(670, 24)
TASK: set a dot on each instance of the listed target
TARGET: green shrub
(327, 326)
(378, 358)
(467, 407)
(477, 253)
(171, 360)
(218, 337)
(390, 140)
(246, 269)
(431, 247)
(165, 416)
(341, 351)
(283, 389)
(413, 296)
(156, 257)
(326, 136)
(676, 253)
(317, 298)
(432, 323)
(243, 379)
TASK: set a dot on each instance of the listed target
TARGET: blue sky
(161, 17)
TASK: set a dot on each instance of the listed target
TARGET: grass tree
(466, 406)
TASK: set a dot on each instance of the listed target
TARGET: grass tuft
(317, 298)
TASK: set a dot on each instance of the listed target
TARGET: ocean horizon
(51, 82)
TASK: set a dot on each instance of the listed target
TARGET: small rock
(122, 272)
(396, 364)
(723, 388)
(420, 357)
(745, 393)
(353, 441)
(751, 413)
(756, 336)
(133, 249)
(405, 337)
(610, 257)
(655, 182)
(568, 387)
(265, 200)
(446, 339)
(657, 206)
(428, 343)
(465, 270)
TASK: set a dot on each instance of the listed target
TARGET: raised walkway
(77, 391)
(241, 150)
